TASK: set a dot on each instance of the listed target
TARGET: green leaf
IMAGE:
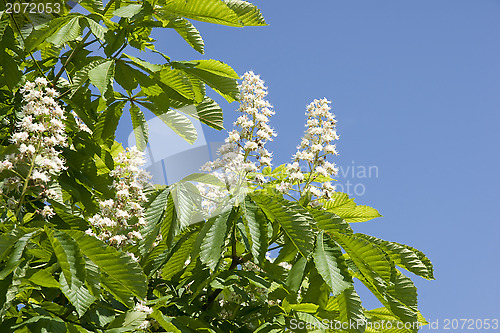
(329, 221)
(208, 112)
(40, 34)
(188, 32)
(93, 6)
(169, 226)
(122, 276)
(128, 11)
(295, 222)
(212, 11)
(212, 244)
(405, 256)
(248, 14)
(304, 307)
(82, 75)
(44, 278)
(102, 75)
(344, 207)
(98, 30)
(108, 122)
(186, 200)
(369, 259)
(11, 72)
(256, 229)
(180, 253)
(164, 322)
(178, 81)
(126, 76)
(379, 316)
(203, 178)
(296, 275)
(148, 67)
(140, 125)
(221, 77)
(403, 290)
(179, 123)
(69, 32)
(329, 263)
(68, 255)
(128, 321)
(72, 281)
(77, 294)
(350, 310)
(15, 257)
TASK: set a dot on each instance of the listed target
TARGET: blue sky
(415, 88)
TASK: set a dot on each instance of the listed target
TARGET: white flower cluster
(121, 217)
(141, 306)
(40, 130)
(255, 130)
(242, 145)
(314, 148)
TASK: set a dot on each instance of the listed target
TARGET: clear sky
(415, 88)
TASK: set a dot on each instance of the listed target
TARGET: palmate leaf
(329, 263)
(367, 257)
(405, 256)
(107, 123)
(39, 35)
(122, 276)
(187, 31)
(186, 200)
(347, 209)
(296, 275)
(82, 75)
(219, 76)
(177, 80)
(256, 229)
(178, 122)
(44, 278)
(348, 304)
(179, 254)
(383, 315)
(329, 221)
(77, 294)
(214, 234)
(102, 75)
(144, 65)
(212, 11)
(294, 221)
(98, 30)
(67, 32)
(128, 11)
(400, 297)
(15, 257)
(248, 14)
(140, 126)
(72, 281)
(208, 112)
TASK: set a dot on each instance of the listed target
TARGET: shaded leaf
(140, 126)
(329, 263)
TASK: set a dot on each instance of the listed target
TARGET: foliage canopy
(184, 273)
